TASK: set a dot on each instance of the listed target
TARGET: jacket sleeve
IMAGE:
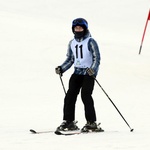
(93, 47)
(69, 60)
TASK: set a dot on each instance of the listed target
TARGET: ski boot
(92, 127)
(67, 126)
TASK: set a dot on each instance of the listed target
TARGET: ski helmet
(79, 22)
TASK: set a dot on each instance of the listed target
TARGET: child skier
(84, 53)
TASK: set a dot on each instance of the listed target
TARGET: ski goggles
(80, 21)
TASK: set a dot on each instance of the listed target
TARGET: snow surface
(34, 35)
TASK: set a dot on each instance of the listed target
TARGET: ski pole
(131, 129)
(62, 84)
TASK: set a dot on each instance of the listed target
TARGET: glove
(58, 70)
(90, 71)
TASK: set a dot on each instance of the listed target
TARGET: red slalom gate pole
(148, 18)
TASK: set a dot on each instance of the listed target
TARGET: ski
(57, 132)
(40, 132)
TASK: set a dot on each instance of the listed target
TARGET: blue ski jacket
(93, 48)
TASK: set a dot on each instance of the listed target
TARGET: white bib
(82, 55)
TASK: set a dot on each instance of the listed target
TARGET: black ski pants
(84, 83)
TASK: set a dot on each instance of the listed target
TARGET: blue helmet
(80, 22)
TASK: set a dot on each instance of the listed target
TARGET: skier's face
(78, 29)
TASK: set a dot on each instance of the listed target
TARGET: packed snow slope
(34, 35)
